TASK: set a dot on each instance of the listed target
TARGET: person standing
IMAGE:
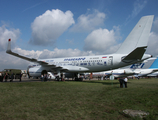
(6, 77)
(20, 76)
(12, 77)
(125, 82)
(0, 77)
(42, 77)
(45, 77)
(121, 82)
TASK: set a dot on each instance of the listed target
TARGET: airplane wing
(65, 68)
(23, 57)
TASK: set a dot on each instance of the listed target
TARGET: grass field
(69, 100)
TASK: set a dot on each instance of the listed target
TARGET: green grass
(71, 100)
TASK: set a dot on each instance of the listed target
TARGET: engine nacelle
(34, 71)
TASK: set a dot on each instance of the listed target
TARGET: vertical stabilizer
(145, 64)
(155, 64)
(138, 36)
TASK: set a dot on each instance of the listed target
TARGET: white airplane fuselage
(82, 64)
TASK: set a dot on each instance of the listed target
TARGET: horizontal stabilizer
(136, 54)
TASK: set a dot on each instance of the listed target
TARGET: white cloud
(5, 34)
(152, 44)
(28, 53)
(58, 53)
(103, 40)
(11, 62)
(155, 25)
(153, 39)
(138, 7)
(88, 22)
(47, 27)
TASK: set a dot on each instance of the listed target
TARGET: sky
(64, 28)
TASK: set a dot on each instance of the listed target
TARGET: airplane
(154, 67)
(131, 51)
(138, 70)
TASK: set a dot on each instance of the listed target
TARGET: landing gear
(59, 77)
(78, 78)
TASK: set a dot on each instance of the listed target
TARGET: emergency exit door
(110, 60)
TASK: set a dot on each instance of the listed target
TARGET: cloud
(103, 40)
(155, 25)
(33, 6)
(153, 39)
(138, 7)
(5, 34)
(11, 62)
(28, 53)
(152, 44)
(47, 27)
(88, 22)
(58, 53)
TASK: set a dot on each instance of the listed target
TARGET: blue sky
(60, 28)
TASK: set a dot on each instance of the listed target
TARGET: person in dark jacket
(121, 80)
(0, 77)
(6, 76)
(12, 77)
(20, 76)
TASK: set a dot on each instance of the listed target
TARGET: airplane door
(110, 60)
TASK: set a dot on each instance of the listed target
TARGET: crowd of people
(4, 77)
(45, 77)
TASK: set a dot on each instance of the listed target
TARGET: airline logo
(138, 65)
(74, 59)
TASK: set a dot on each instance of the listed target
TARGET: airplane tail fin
(138, 38)
(149, 63)
(154, 64)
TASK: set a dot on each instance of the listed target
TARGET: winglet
(9, 46)
(23, 57)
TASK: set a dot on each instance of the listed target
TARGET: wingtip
(9, 46)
